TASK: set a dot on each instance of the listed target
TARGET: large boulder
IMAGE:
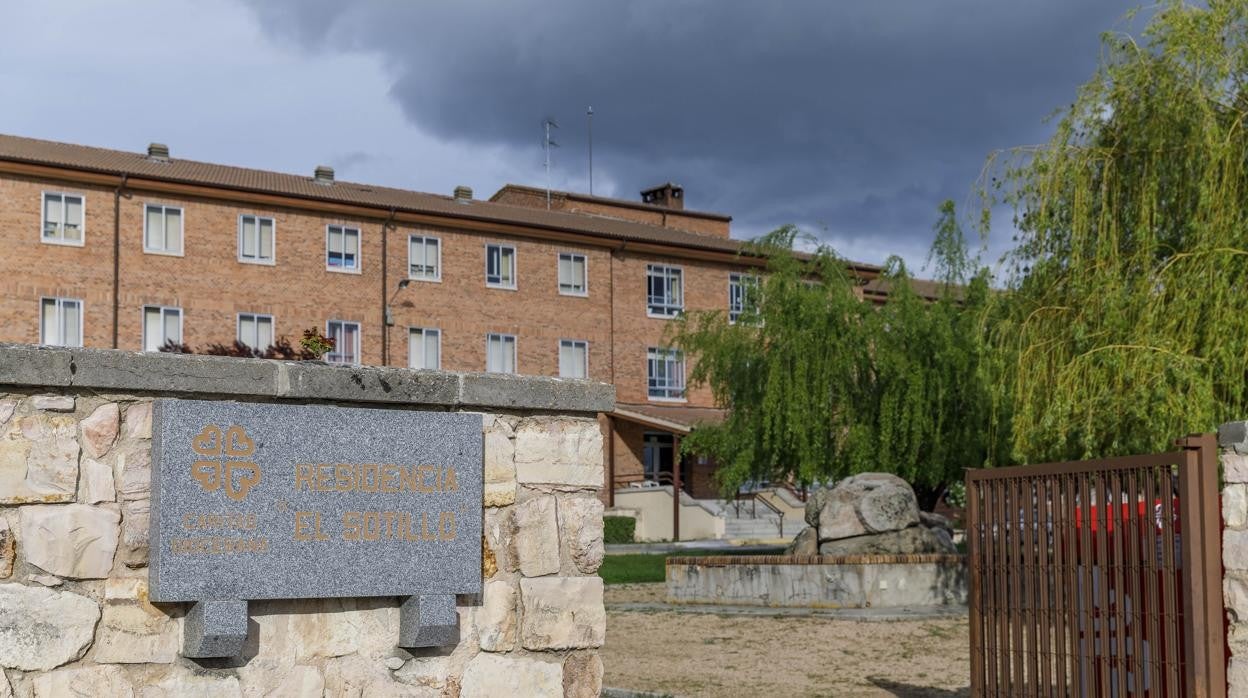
(911, 541)
(871, 514)
(862, 504)
(806, 543)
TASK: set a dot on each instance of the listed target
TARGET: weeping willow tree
(819, 384)
(1126, 316)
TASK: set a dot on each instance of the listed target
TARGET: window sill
(574, 294)
(258, 262)
(63, 243)
(341, 270)
(163, 253)
(437, 280)
(666, 399)
(663, 316)
(500, 287)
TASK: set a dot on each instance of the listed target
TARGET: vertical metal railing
(1098, 578)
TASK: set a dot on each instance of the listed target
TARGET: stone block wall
(75, 619)
(1233, 441)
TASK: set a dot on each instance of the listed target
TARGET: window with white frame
(342, 248)
(572, 274)
(500, 353)
(573, 358)
(255, 239)
(500, 266)
(255, 331)
(161, 325)
(424, 258)
(665, 373)
(162, 229)
(60, 322)
(424, 348)
(742, 295)
(665, 292)
(346, 336)
(62, 218)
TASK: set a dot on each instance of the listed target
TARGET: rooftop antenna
(589, 113)
(547, 144)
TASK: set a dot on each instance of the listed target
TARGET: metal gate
(1099, 577)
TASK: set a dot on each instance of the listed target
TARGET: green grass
(641, 568)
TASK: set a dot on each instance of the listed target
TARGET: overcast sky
(853, 120)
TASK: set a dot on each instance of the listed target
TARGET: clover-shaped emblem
(225, 449)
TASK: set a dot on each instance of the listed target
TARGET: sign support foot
(428, 621)
(215, 629)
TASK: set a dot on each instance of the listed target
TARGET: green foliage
(819, 385)
(618, 529)
(1124, 325)
(314, 343)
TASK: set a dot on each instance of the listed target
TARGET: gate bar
(1202, 605)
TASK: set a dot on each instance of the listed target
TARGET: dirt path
(711, 655)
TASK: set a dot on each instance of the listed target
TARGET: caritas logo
(221, 466)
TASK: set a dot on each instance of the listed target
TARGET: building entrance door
(657, 456)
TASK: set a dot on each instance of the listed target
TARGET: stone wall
(1233, 440)
(75, 466)
(814, 581)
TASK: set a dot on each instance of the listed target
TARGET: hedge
(618, 529)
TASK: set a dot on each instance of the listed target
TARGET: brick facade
(211, 284)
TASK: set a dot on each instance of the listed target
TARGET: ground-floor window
(60, 322)
(346, 336)
(161, 326)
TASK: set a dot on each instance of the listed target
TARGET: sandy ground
(723, 655)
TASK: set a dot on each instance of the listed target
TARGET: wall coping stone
(198, 375)
(1233, 436)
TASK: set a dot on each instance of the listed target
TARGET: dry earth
(727, 655)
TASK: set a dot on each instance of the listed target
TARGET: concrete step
(759, 530)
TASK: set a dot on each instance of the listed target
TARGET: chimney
(324, 174)
(157, 151)
(667, 195)
(463, 193)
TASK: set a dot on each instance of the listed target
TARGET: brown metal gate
(1098, 578)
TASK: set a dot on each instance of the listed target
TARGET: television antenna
(589, 113)
(547, 144)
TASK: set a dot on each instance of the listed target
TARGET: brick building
(129, 250)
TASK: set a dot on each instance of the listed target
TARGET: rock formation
(871, 514)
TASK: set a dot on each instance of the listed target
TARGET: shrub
(316, 343)
(618, 529)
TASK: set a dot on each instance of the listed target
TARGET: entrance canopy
(676, 419)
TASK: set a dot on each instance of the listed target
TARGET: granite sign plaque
(264, 501)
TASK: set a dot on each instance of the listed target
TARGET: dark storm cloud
(856, 118)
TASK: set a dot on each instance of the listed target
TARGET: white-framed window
(256, 331)
(63, 218)
(162, 229)
(500, 353)
(573, 358)
(573, 276)
(742, 295)
(424, 258)
(665, 290)
(342, 248)
(161, 325)
(665, 374)
(346, 336)
(255, 239)
(60, 322)
(500, 266)
(424, 348)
